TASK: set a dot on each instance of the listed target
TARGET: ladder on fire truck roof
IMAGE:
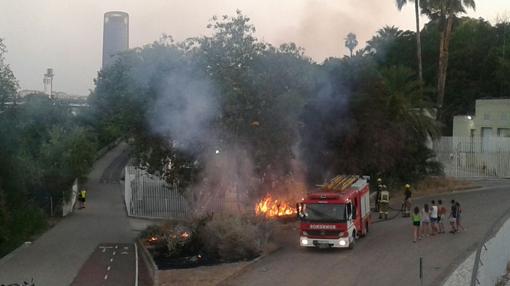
(340, 183)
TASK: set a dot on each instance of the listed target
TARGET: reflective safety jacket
(384, 197)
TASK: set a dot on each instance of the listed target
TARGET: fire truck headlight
(304, 241)
(342, 242)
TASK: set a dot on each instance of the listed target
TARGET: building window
(503, 132)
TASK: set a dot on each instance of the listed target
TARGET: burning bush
(232, 238)
(207, 240)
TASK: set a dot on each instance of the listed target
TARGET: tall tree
(445, 11)
(8, 83)
(400, 5)
(351, 42)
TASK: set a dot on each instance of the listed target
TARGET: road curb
(13, 253)
(149, 262)
(250, 263)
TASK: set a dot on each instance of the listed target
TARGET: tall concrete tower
(48, 82)
(115, 35)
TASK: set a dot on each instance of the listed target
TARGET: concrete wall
(68, 206)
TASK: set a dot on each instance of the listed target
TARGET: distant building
(56, 95)
(491, 119)
(115, 35)
(48, 82)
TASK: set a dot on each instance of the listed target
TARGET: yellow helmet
(408, 186)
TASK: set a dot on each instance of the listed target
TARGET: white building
(491, 119)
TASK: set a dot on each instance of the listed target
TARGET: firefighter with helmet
(406, 204)
(378, 193)
(384, 202)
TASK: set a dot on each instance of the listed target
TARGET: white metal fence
(68, 205)
(149, 196)
(474, 156)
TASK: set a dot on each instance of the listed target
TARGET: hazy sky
(67, 34)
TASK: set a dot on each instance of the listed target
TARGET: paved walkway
(55, 258)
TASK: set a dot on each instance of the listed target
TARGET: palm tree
(406, 103)
(400, 5)
(445, 11)
(351, 42)
(383, 40)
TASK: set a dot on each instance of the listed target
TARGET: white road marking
(115, 252)
(116, 246)
(108, 269)
(103, 248)
(124, 252)
(111, 259)
(136, 264)
(126, 248)
(106, 277)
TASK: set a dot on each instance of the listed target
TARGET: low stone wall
(462, 275)
(494, 257)
(488, 264)
(203, 276)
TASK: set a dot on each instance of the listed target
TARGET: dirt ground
(435, 185)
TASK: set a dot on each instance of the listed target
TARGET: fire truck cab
(336, 215)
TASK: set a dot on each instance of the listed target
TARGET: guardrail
(493, 253)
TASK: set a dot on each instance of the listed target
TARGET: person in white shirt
(434, 217)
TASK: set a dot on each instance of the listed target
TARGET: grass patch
(436, 185)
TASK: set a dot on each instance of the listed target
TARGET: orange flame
(270, 208)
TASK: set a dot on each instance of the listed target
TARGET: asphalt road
(110, 264)
(387, 256)
(55, 258)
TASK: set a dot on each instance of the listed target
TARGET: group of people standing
(431, 219)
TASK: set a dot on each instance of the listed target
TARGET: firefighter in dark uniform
(384, 202)
(378, 193)
(406, 204)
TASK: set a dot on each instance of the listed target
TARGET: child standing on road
(441, 216)
(453, 218)
(434, 218)
(416, 218)
(425, 221)
(459, 214)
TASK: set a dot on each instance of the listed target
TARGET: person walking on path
(441, 216)
(82, 198)
(425, 221)
(434, 218)
(416, 218)
(458, 217)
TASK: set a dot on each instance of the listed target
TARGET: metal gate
(474, 156)
(149, 196)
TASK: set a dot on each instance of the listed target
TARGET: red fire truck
(336, 215)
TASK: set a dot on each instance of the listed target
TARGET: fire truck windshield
(324, 213)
